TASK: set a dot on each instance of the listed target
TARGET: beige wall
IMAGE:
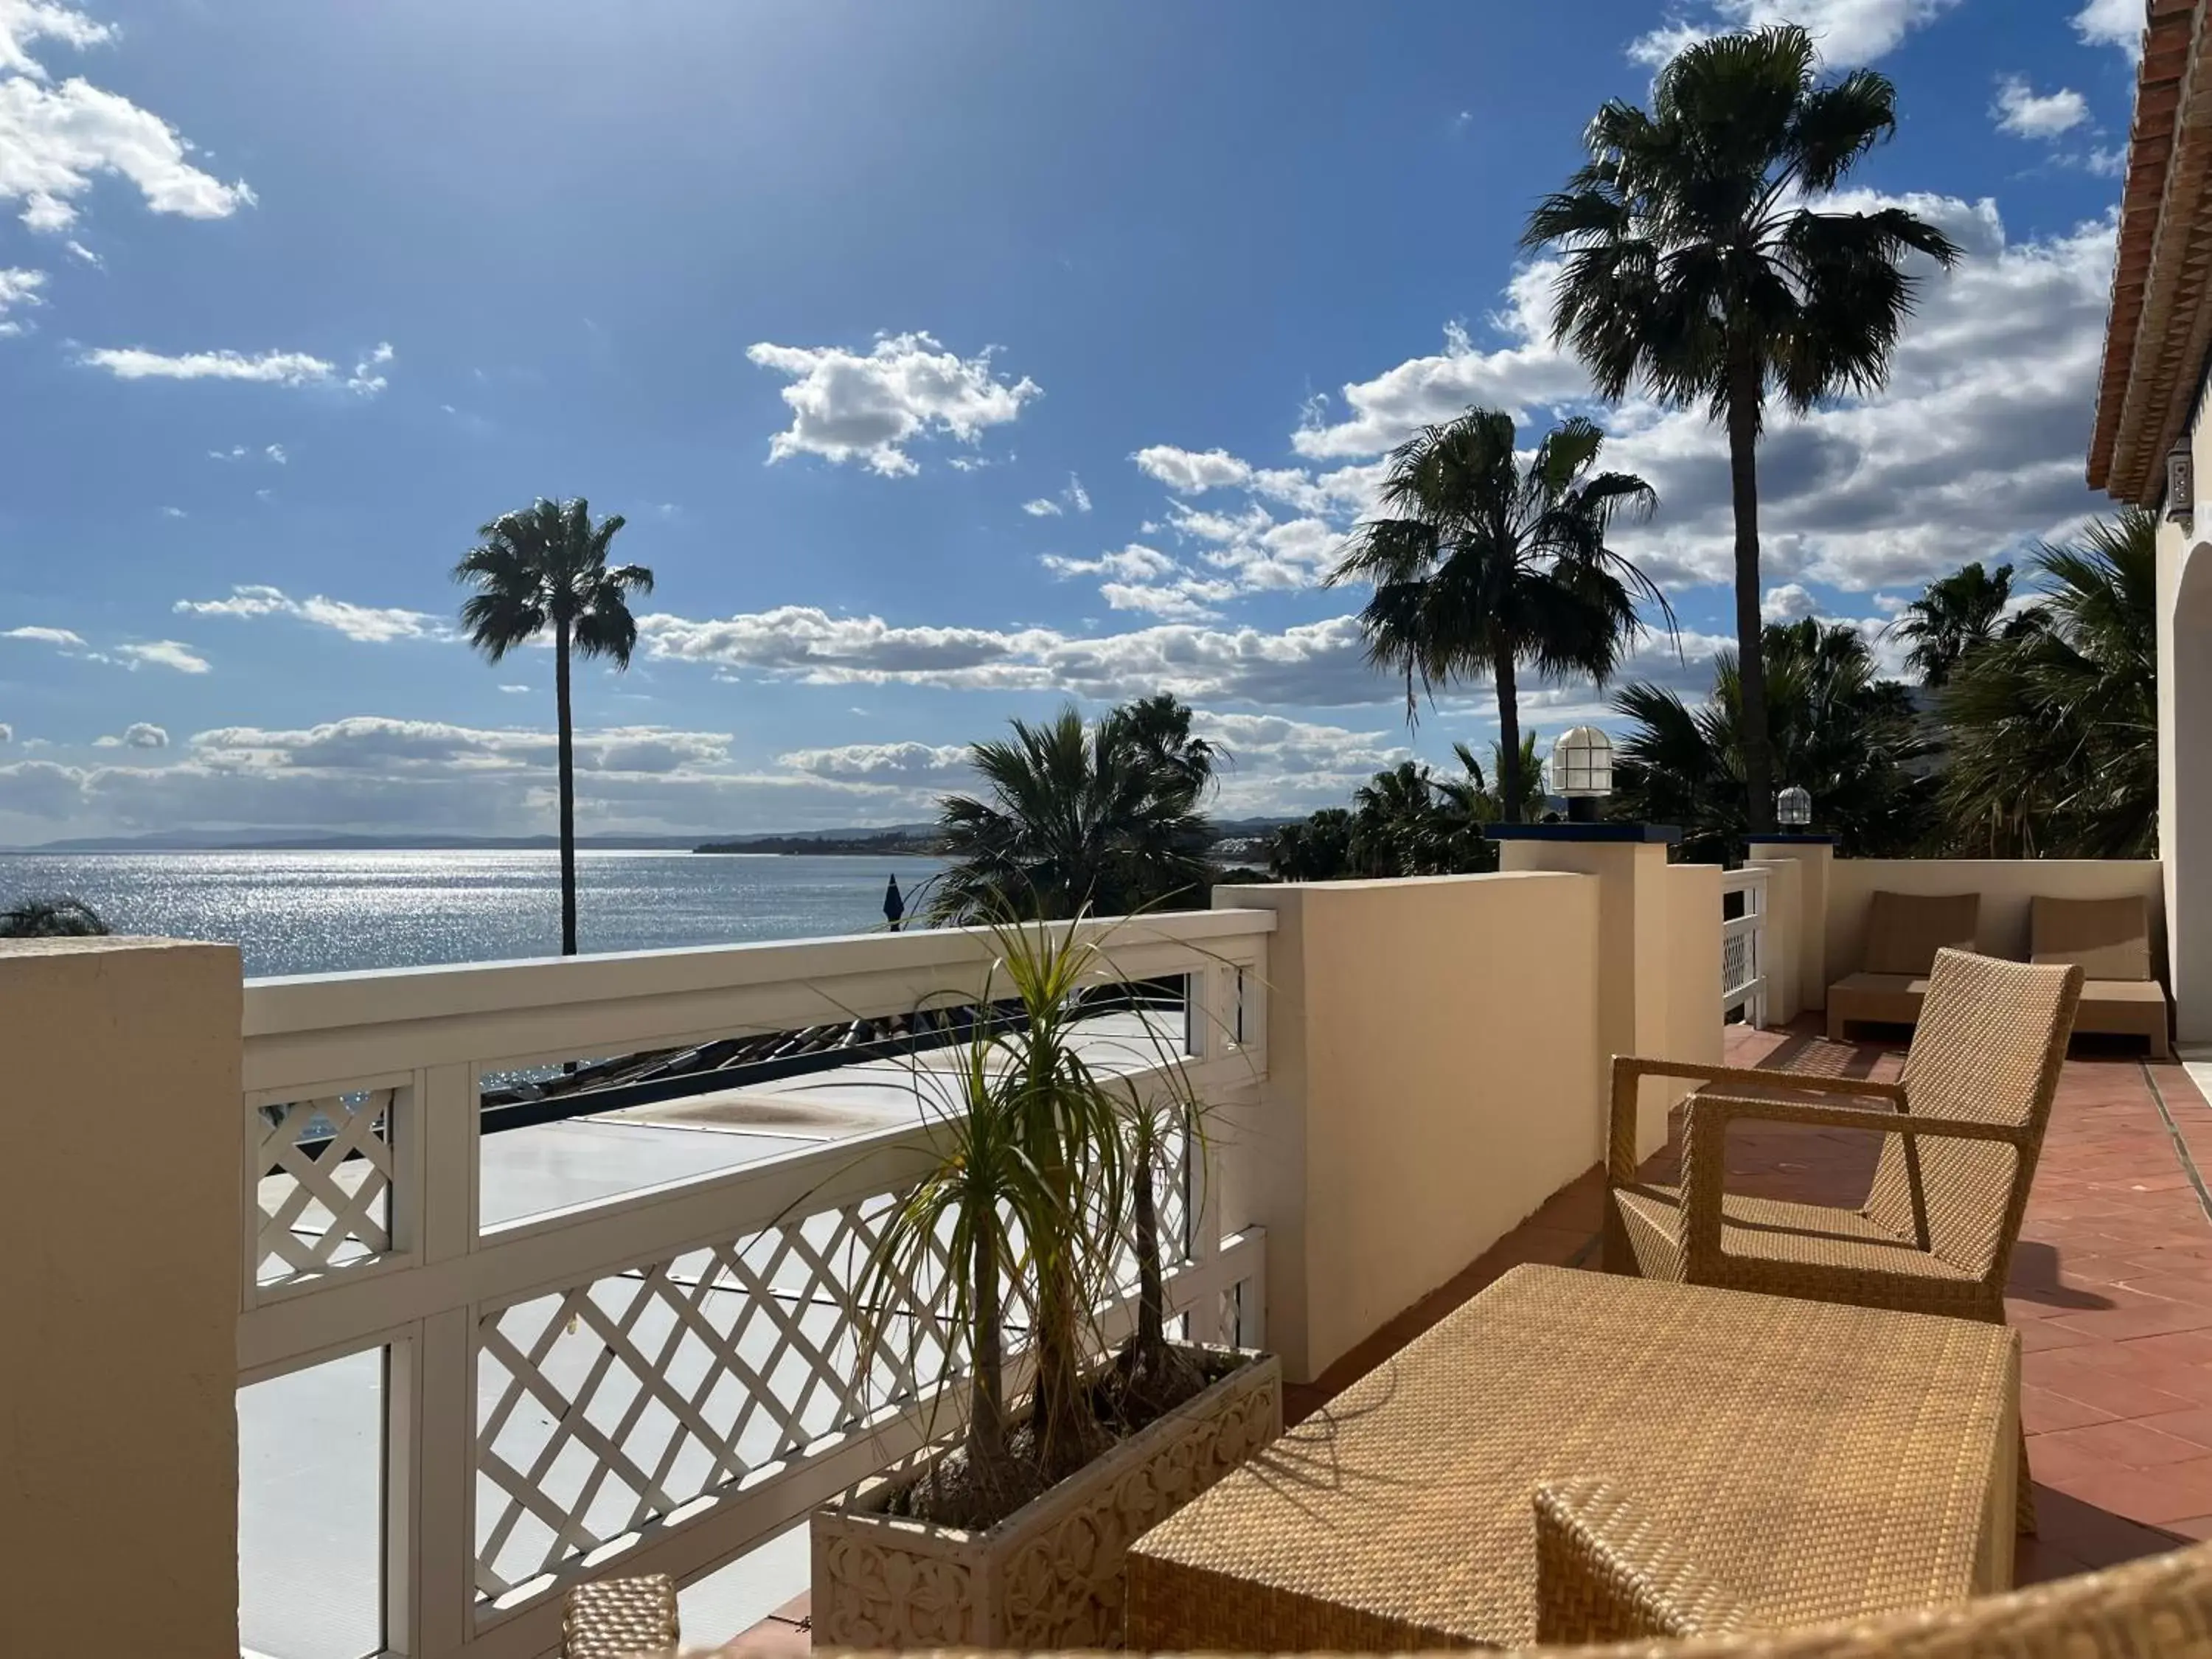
(120, 1129)
(1432, 1071)
(1693, 977)
(2006, 886)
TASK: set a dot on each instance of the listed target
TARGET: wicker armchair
(1632, 1592)
(1962, 1127)
(620, 1618)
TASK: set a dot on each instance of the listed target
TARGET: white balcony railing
(626, 1342)
(1743, 946)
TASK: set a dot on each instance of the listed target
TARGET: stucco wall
(2006, 886)
(1693, 970)
(1432, 1066)
(120, 1126)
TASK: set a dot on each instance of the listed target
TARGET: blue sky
(949, 361)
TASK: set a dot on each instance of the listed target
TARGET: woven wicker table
(1808, 1461)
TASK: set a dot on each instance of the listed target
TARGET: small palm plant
(1044, 1179)
(59, 917)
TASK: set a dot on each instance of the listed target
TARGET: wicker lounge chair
(1963, 1127)
(2109, 939)
(2161, 1608)
(620, 1618)
(1903, 931)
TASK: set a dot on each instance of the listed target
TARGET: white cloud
(271, 368)
(1975, 444)
(2026, 113)
(1526, 374)
(1190, 471)
(1788, 602)
(78, 250)
(61, 637)
(174, 513)
(2111, 23)
(882, 762)
(1075, 497)
(1135, 562)
(850, 406)
(1847, 30)
(55, 139)
(516, 691)
(373, 773)
(7, 732)
(18, 287)
(163, 653)
(1144, 579)
(369, 624)
(139, 734)
(1312, 665)
(275, 452)
(365, 381)
(374, 742)
(23, 22)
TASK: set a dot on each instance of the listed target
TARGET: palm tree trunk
(986, 1401)
(1743, 477)
(1149, 1350)
(567, 788)
(1509, 737)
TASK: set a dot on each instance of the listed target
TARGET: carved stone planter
(1052, 1574)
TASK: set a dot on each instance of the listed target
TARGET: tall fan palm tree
(2053, 728)
(545, 568)
(1954, 615)
(1481, 566)
(1697, 266)
(1105, 817)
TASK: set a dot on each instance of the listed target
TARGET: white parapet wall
(1433, 1076)
(119, 1137)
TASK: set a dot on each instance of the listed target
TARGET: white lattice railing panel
(322, 1175)
(612, 1405)
(1735, 962)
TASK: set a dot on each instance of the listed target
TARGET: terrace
(477, 1363)
(346, 1364)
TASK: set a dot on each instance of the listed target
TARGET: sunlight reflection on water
(304, 913)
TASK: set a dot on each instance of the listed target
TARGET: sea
(336, 912)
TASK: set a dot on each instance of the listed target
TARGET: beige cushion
(1905, 930)
(2109, 937)
(1882, 999)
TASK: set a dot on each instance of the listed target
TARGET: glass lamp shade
(1581, 763)
(1794, 807)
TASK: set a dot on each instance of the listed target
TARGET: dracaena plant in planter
(1010, 1531)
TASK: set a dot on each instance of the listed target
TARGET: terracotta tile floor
(2112, 1291)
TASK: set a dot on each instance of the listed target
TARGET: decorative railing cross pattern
(751, 1351)
(328, 1207)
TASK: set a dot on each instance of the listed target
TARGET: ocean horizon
(336, 911)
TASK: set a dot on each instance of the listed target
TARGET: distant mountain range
(280, 841)
(871, 838)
